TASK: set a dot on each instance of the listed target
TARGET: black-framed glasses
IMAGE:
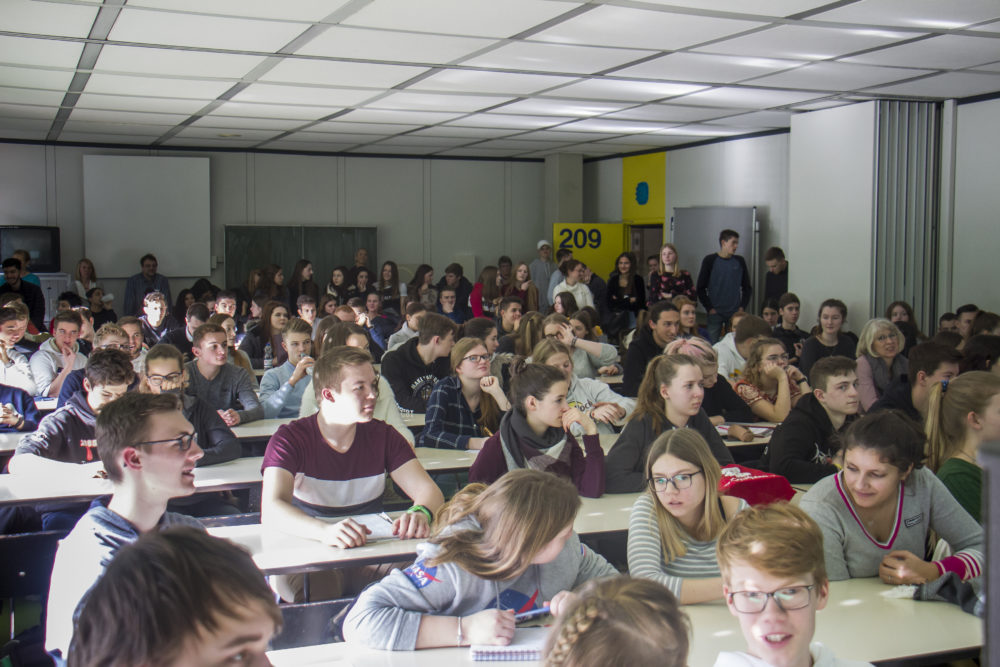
(680, 481)
(124, 347)
(476, 358)
(183, 441)
(789, 598)
(157, 380)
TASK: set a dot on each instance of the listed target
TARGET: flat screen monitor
(42, 244)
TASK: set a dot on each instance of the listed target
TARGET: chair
(27, 566)
(311, 623)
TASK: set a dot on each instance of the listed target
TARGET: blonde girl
(670, 280)
(770, 386)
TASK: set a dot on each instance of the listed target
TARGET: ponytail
(947, 408)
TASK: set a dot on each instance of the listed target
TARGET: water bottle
(268, 357)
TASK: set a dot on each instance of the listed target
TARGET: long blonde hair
(663, 267)
(661, 370)
(489, 411)
(530, 330)
(947, 410)
(689, 446)
(518, 516)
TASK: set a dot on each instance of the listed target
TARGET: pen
(385, 516)
(533, 613)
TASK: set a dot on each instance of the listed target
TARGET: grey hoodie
(387, 614)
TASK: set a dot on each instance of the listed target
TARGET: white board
(134, 205)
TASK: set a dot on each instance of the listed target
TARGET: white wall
(602, 190)
(976, 244)
(427, 210)
(831, 191)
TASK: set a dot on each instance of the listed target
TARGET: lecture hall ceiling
(487, 78)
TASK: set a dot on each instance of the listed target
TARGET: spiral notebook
(527, 645)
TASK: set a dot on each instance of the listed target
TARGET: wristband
(20, 422)
(421, 508)
(573, 342)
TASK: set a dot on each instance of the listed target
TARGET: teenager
(948, 322)
(360, 262)
(827, 339)
(721, 403)
(667, 279)
(272, 284)
(769, 385)
(448, 306)
(273, 320)
(574, 283)
(670, 397)
(774, 581)
(536, 434)
(674, 524)
(653, 333)
(234, 355)
(900, 313)
(301, 283)
(484, 329)
(522, 287)
(688, 326)
(733, 352)
(626, 292)
(422, 286)
(563, 255)
(966, 316)
(530, 330)
(411, 324)
(769, 312)
(378, 324)
(496, 549)
(590, 358)
(86, 338)
(485, 293)
(880, 360)
(776, 278)
(564, 303)
(541, 270)
(184, 301)
(30, 293)
(155, 319)
(59, 356)
(509, 310)
(109, 337)
(281, 388)
(337, 287)
(132, 327)
(334, 464)
(84, 278)
(787, 331)
(177, 597)
(803, 447)
(149, 454)
(230, 390)
(980, 353)
(584, 326)
(876, 514)
(305, 309)
(246, 292)
(724, 283)
(196, 315)
(15, 371)
(143, 283)
(98, 310)
(958, 422)
(390, 290)
(454, 277)
(414, 368)
(464, 408)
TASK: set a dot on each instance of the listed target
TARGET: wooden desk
(46, 403)
(856, 624)
(8, 441)
(265, 428)
(611, 379)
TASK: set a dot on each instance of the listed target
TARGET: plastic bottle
(268, 357)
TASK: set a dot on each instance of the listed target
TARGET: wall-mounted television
(42, 244)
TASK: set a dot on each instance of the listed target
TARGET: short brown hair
(297, 325)
(434, 324)
(749, 327)
(8, 313)
(774, 253)
(109, 367)
(779, 539)
(122, 423)
(69, 317)
(328, 372)
(203, 330)
(828, 367)
(787, 299)
(164, 351)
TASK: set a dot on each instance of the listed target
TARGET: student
(132, 327)
(334, 464)
(495, 550)
(776, 278)
(149, 453)
(787, 331)
(563, 255)
(302, 283)
(144, 282)
(414, 368)
(619, 620)
(485, 330)
(827, 339)
(196, 315)
(724, 283)
(184, 301)
(592, 397)
(769, 312)
(234, 355)
(802, 448)
(447, 305)
(227, 388)
(411, 325)
(109, 337)
(422, 286)
(541, 270)
(574, 283)
(226, 303)
(981, 353)
(360, 262)
(670, 397)
(18, 413)
(273, 320)
(958, 422)
(485, 294)
(64, 443)
(272, 284)
(590, 358)
(674, 524)
(769, 385)
(530, 330)
(337, 287)
(464, 408)
(564, 303)
(155, 320)
(86, 338)
(510, 314)
(281, 388)
(378, 324)
(668, 280)
(900, 311)
(14, 369)
(536, 434)
(733, 352)
(774, 582)
(454, 277)
(305, 309)
(966, 316)
(626, 291)
(58, 356)
(721, 403)
(100, 314)
(30, 293)
(520, 286)
(584, 326)
(688, 326)
(177, 597)
(880, 360)
(948, 322)
(652, 335)
(986, 324)
(876, 514)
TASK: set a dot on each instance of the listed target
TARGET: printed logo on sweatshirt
(518, 601)
(914, 520)
(91, 447)
(420, 575)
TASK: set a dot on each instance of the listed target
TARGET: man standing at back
(541, 271)
(31, 294)
(144, 282)
(724, 283)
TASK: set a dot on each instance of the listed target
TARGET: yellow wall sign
(644, 180)
(595, 244)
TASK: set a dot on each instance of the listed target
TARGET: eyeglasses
(183, 441)
(680, 481)
(787, 599)
(157, 380)
(882, 338)
(476, 358)
(776, 357)
(117, 346)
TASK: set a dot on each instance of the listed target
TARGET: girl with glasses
(770, 386)
(674, 525)
(465, 408)
(880, 360)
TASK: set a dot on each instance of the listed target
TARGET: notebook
(381, 529)
(526, 645)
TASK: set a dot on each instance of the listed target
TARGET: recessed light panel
(615, 89)
(705, 67)
(803, 42)
(477, 81)
(333, 73)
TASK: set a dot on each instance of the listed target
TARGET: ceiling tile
(362, 128)
(838, 76)
(230, 122)
(946, 86)
(300, 10)
(27, 111)
(638, 28)
(555, 58)
(614, 89)
(334, 138)
(430, 142)
(215, 32)
(522, 145)
(99, 138)
(121, 84)
(558, 134)
(313, 146)
(541, 106)
(914, 13)
(331, 73)
(174, 62)
(467, 132)
(695, 130)
(942, 52)
(126, 117)
(459, 17)
(475, 151)
(35, 78)
(475, 81)
(705, 67)
(435, 102)
(128, 103)
(48, 18)
(611, 126)
(383, 45)
(24, 124)
(804, 42)
(822, 104)
(255, 110)
(756, 120)
(218, 133)
(989, 67)
(39, 52)
(769, 8)
(510, 121)
(150, 131)
(205, 142)
(31, 96)
(670, 112)
(403, 117)
(272, 93)
(747, 98)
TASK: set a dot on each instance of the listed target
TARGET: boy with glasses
(774, 581)
(149, 452)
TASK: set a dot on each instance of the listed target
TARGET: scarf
(882, 375)
(549, 452)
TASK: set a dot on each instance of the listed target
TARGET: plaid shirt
(449, 423)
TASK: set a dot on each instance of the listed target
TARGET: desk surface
(8, 441)
(265, 428)
(847, 625)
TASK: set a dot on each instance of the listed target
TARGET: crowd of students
(886, 425)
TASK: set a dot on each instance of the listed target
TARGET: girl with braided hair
(495, 551)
